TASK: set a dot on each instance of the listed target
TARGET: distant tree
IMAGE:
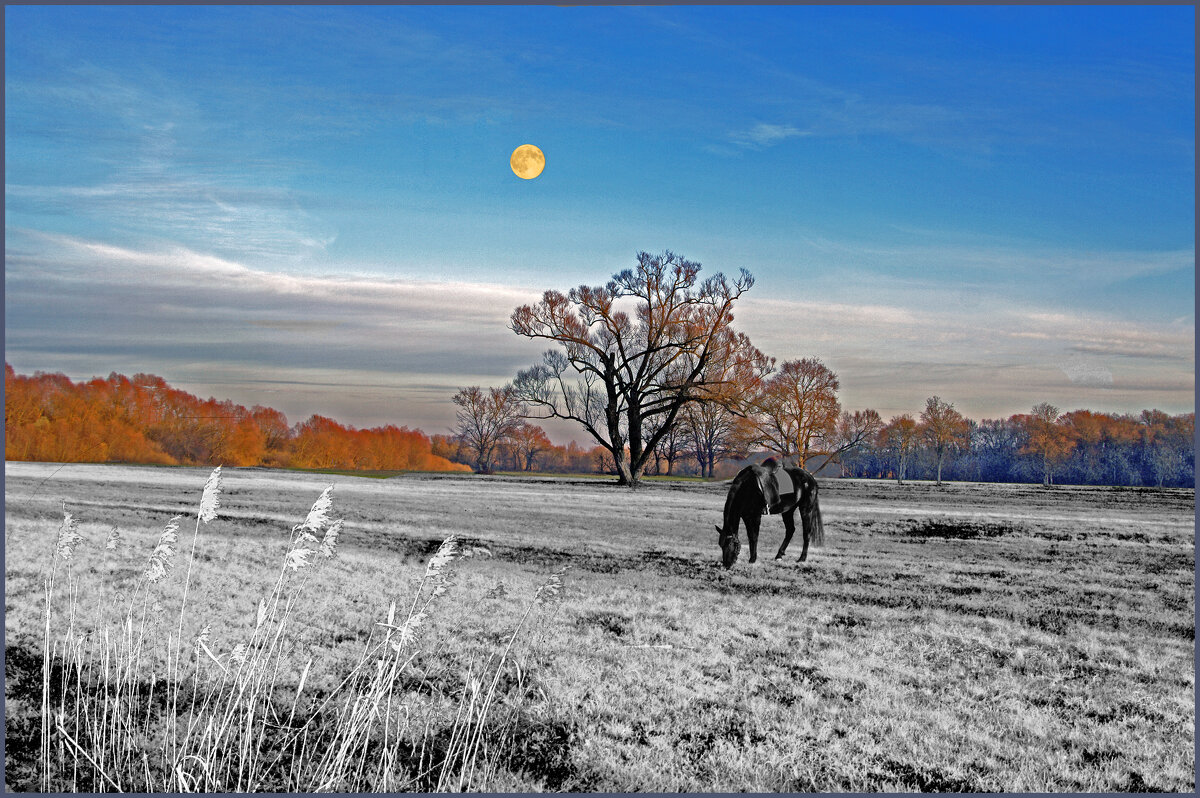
(995, 444)
(321, 442)
(719, 427)
(714, 433)
(528, 441)
(451, 447)
(853, 432)
(944, 429)
(1047, 439)
(277, 435)
(485, 418)
(639, 348)
(671, 443)
(900, 437)
(796, 411)
(1166, 441)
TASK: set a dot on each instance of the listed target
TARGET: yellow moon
(527, 162)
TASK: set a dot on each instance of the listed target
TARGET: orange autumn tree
(527, 441)
(1048, 438)
(47, 417)
(944, 430)
(900, 437)
(144, 420)
(322, 443)
(795, 413)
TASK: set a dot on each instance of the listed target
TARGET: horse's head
(730, 545)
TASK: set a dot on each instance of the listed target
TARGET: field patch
(983, 638)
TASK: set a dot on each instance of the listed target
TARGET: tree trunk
(637, 455)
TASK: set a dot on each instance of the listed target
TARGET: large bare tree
(640, 347)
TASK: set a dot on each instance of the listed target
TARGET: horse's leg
(806, 523)
(789, 528)
(752, 522)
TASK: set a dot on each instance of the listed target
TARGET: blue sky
(312, 208)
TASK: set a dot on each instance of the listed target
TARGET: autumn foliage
(141, 419)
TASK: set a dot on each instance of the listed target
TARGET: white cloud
(993, 361)
(765, 135)
(1087, 371)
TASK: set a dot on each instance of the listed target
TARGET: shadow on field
(524, 739)
(22, 720)
(948, 528)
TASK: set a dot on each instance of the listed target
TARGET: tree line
(142, 419)
(650, 367)
(1080, 447)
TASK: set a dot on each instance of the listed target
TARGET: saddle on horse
(775, 484)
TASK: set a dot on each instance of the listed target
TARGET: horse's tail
(810, 516)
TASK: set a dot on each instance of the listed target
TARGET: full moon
(527, 162)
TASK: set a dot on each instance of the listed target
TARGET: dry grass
(137, 693)
(969, 638)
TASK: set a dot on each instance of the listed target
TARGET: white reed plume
(210, 501)
(406, 634)
(318, 516)
(298, 558)
(329, 543)
(114, 537)
(442, 556)
(68, 536)
(161, 558)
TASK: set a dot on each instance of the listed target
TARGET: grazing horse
(745, 502)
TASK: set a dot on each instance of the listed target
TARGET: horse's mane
(735, 487)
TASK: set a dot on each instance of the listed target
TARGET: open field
(969, 637)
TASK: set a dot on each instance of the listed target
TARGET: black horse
(745, 502)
